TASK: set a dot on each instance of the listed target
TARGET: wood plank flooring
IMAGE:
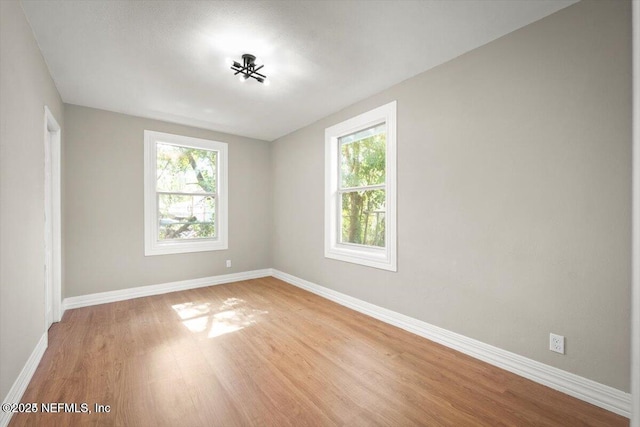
(265, 353)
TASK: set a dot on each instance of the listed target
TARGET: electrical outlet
(228, 263)
(556, 343)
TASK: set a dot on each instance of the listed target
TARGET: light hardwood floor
(262, 352)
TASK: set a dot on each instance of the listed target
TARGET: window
(185, 194)
(360, 189)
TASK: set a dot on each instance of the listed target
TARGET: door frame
(52, 232)
(635, 235)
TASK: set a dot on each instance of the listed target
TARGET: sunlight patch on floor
(231, 316)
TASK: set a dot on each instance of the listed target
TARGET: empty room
(320, 213)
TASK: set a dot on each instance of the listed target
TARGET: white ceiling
(166, 59)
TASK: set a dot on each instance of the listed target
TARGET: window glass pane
(363, 217)
(364, 133)
(186, 217)
(184, 169)
(362, 162)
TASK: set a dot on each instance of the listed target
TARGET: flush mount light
(248, 69)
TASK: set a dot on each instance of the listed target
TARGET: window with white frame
(185, 185)
(360, 189)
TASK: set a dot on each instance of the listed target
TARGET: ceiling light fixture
(249, 69)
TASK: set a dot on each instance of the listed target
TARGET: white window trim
(153, 246)
(383, 258)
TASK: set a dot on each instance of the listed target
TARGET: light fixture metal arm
(248, 68)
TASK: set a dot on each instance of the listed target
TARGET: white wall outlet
(556, 343)
(228, 263)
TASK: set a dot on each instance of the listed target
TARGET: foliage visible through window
(185, 194)
(362, 187)
(186, 191)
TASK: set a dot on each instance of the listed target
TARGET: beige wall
(514, 210)
(25, 88)
(103, 200)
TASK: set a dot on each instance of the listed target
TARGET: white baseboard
(21, 383)
(144, 291)
(582, 388)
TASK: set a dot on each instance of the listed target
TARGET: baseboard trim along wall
(164, 288)
(20, 385)
(582, 388)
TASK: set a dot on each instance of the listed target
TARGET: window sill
(168, 248)
(369, 257)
